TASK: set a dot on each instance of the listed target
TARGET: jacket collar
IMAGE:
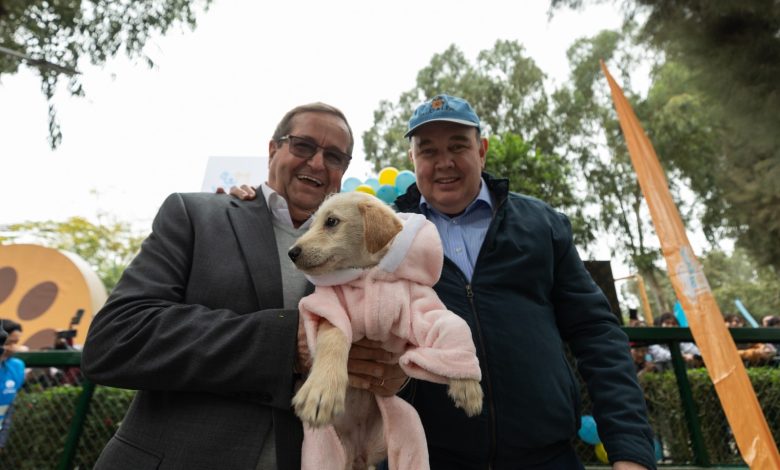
(251, 221)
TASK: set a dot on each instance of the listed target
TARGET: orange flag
(718, 350)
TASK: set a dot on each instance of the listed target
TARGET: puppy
(374, 273)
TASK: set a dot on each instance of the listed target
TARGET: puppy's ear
(379, 226)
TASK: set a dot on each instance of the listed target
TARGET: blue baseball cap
(443, 108)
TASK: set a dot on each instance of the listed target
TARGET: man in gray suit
(204, 322)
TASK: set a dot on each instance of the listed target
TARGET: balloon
(404, 180)
(588, 431)
(364, 188)
(373, 182)
(387, 193)
(350, 184)
(387, 175)
(659, 451)
(601, 453)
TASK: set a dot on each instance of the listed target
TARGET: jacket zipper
(486, 377)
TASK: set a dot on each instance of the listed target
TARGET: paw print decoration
(43, 288)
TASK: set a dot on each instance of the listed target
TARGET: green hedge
(43, 416)
(42, 420)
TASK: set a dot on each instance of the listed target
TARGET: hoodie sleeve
(442, 345)
(323, 303)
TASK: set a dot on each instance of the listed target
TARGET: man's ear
(272, 146)
(483, 148)
(379, 226)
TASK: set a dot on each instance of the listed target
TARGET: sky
(219, 90)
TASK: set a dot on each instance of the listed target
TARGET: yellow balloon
(601, 453)
(387, 175)
(364, 188)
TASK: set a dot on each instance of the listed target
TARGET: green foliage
(593, 141)
(69, 32)
(668, 417)
(545, 176)
(738, 276)
(505, 87)
(108, 248)
(730, 93)
(42, 420)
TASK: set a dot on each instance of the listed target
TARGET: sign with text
(225, 172)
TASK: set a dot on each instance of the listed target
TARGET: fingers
(243, 192)
(368, 350)
(303, 360)
(382, 379)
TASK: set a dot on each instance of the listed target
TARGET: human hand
(303, 358)
(374, 369)
(626, 465)
(243, 192)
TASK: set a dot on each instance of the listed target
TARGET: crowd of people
(655, 357)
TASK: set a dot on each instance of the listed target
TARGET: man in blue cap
(513, 273)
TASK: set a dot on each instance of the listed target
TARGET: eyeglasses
(307, 148)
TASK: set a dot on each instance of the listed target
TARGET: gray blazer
(197, 325)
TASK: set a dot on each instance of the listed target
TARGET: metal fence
(62, 421)
(684, 410)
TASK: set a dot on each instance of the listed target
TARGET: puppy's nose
(294, 253)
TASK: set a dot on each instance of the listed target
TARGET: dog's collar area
(335, 278)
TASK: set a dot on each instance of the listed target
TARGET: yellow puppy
(374, 273)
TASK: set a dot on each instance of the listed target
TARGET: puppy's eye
(331, 222)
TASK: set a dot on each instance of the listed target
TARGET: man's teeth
(309, 178)
(446, 180)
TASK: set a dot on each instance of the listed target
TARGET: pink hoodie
(394, 303)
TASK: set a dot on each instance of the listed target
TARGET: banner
(718, 350)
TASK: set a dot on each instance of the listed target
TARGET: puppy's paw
(321, 398)
(467, 394)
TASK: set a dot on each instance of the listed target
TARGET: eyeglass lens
(305, 148)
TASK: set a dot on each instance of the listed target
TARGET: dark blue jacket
(530, 293)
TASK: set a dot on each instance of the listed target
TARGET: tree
(54, 37)
(593, 141)
(506, 89)
(731, 51)
(738, 276)
(108, 248)
(545, 176)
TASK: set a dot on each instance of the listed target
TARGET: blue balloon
(588, 431)
(350, 184)
(404, 180)
(373, 182)
(387, 193)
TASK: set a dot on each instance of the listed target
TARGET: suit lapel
(254, 230)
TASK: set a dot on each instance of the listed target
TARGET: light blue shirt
(462, 235)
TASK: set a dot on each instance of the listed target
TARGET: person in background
(643, 360)
(769, 321)
(752, 354)
(660, 353)
(11, 375)
(204, 322)
(774, 322)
